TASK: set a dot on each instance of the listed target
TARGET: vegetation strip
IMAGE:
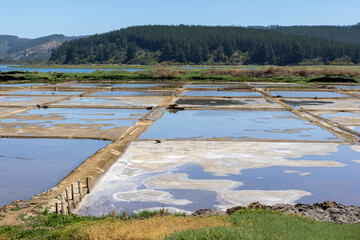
(243, 224)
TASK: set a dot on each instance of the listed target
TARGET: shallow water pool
(21, 84)
(45, 92)
(240, 85)
(32, 166)
(205, 124)
(132, 93)
(51, 117)
(308, 94)
(221, 94)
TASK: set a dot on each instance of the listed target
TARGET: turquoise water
(206, 124)
(32, 166)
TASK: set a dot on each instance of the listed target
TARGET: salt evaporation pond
(120, 85)
(189, 175)
(32, 166)
(29, 100)
(114, 101)
(71, 122)
(21, 84)
(105, 118)
(205, 124)
(138, 85)
(8, 110)
(221, 94)
(132, 93)
(348, 87)
(45, 92)
(240, 85)
(347, 119)
(299, 103)
(309, 94)
(278, 85)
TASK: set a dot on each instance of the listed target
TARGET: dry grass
(166, 73)
(284, 71)
(153, 228)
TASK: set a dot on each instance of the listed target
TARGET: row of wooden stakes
(70, 200)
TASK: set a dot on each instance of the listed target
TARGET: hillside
(14, 48)
(348, 34)
(204, 45)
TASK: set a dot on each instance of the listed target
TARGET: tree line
(184, 44)
(349, 34)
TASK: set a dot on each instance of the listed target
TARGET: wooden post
(56, 208)
(79, 186)
(72, 192)
(62, 203)
(68, 200)
(87, 185)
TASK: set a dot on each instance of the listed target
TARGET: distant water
(7, 68)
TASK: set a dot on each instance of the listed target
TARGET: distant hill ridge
(15, 48)
(215, 45)
(350, 34)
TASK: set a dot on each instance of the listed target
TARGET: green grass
(263, 224)
(245, 224)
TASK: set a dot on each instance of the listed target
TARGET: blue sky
(36, 18)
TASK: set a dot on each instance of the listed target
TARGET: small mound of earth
(326, 211)
(207, 212)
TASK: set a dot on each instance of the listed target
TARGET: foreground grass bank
(275, 74)
(245, 224)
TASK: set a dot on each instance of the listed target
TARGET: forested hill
(203, 45)
(350, 34)
(15, 48)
